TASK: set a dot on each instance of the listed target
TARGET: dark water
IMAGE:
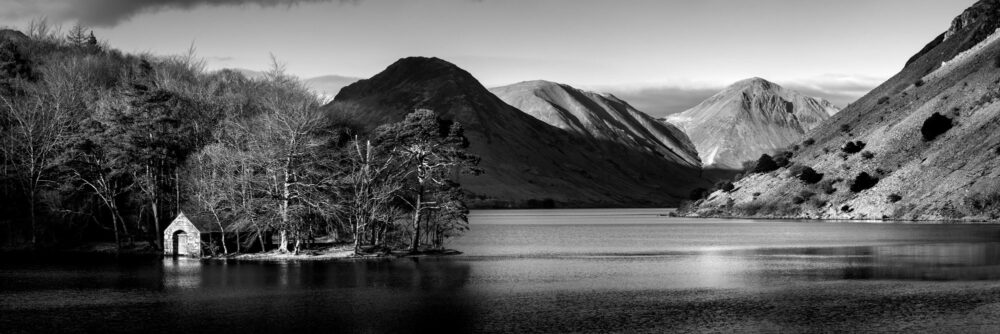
(550, 271)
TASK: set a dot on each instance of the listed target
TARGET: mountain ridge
(602, 116)
(526, 160)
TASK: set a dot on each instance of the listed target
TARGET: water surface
(551, 271)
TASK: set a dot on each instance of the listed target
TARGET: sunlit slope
(953, 175)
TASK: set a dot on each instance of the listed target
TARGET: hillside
(602, 117)
(526, 161)
(747, 119)
(917, 167)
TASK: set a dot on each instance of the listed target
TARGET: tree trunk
(283, 246)
(286, 194)
(357, 237)
(298, 243)
(260, 237)
(117, 217)
(381, 233)
(153, 204)
(118, 240)
(416, 222)
(225, 250)
(34, 234)
(156, 224)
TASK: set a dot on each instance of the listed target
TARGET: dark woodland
(101, 146)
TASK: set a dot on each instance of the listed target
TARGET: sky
(661, 55)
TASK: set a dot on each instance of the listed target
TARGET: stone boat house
(189, 236)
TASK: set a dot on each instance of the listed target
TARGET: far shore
(849, 220)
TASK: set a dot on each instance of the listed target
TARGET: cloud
(839, 89)
(109, 13)
(329, 85)
(221, 59)
(659, 101)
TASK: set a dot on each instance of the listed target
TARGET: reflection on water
(181, 273)
(935, 262)
(425, 275)
(246, 297)
(506, 270)
(670, 269)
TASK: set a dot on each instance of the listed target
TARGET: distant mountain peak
(748, 118)
(538, 82)
(410, 71)
(755, 83)
(425, 68)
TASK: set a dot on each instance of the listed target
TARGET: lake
(525, 271)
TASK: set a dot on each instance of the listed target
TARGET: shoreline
(108, 251)
(852, 220)
(335, 253)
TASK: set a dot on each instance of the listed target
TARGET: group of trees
(96, 144)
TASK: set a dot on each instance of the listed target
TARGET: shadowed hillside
(526, 161)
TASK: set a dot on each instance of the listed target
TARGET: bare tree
(292, 121)
(211, 185)
(103, 174)
(35, 133)
(78, 36)
(43, 30)
(99, 159)
(247, 158)
(374, 184)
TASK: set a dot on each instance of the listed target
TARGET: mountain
(602, 117)
(526, 161)
(13, 36)
(929, 142)
(747, 119)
